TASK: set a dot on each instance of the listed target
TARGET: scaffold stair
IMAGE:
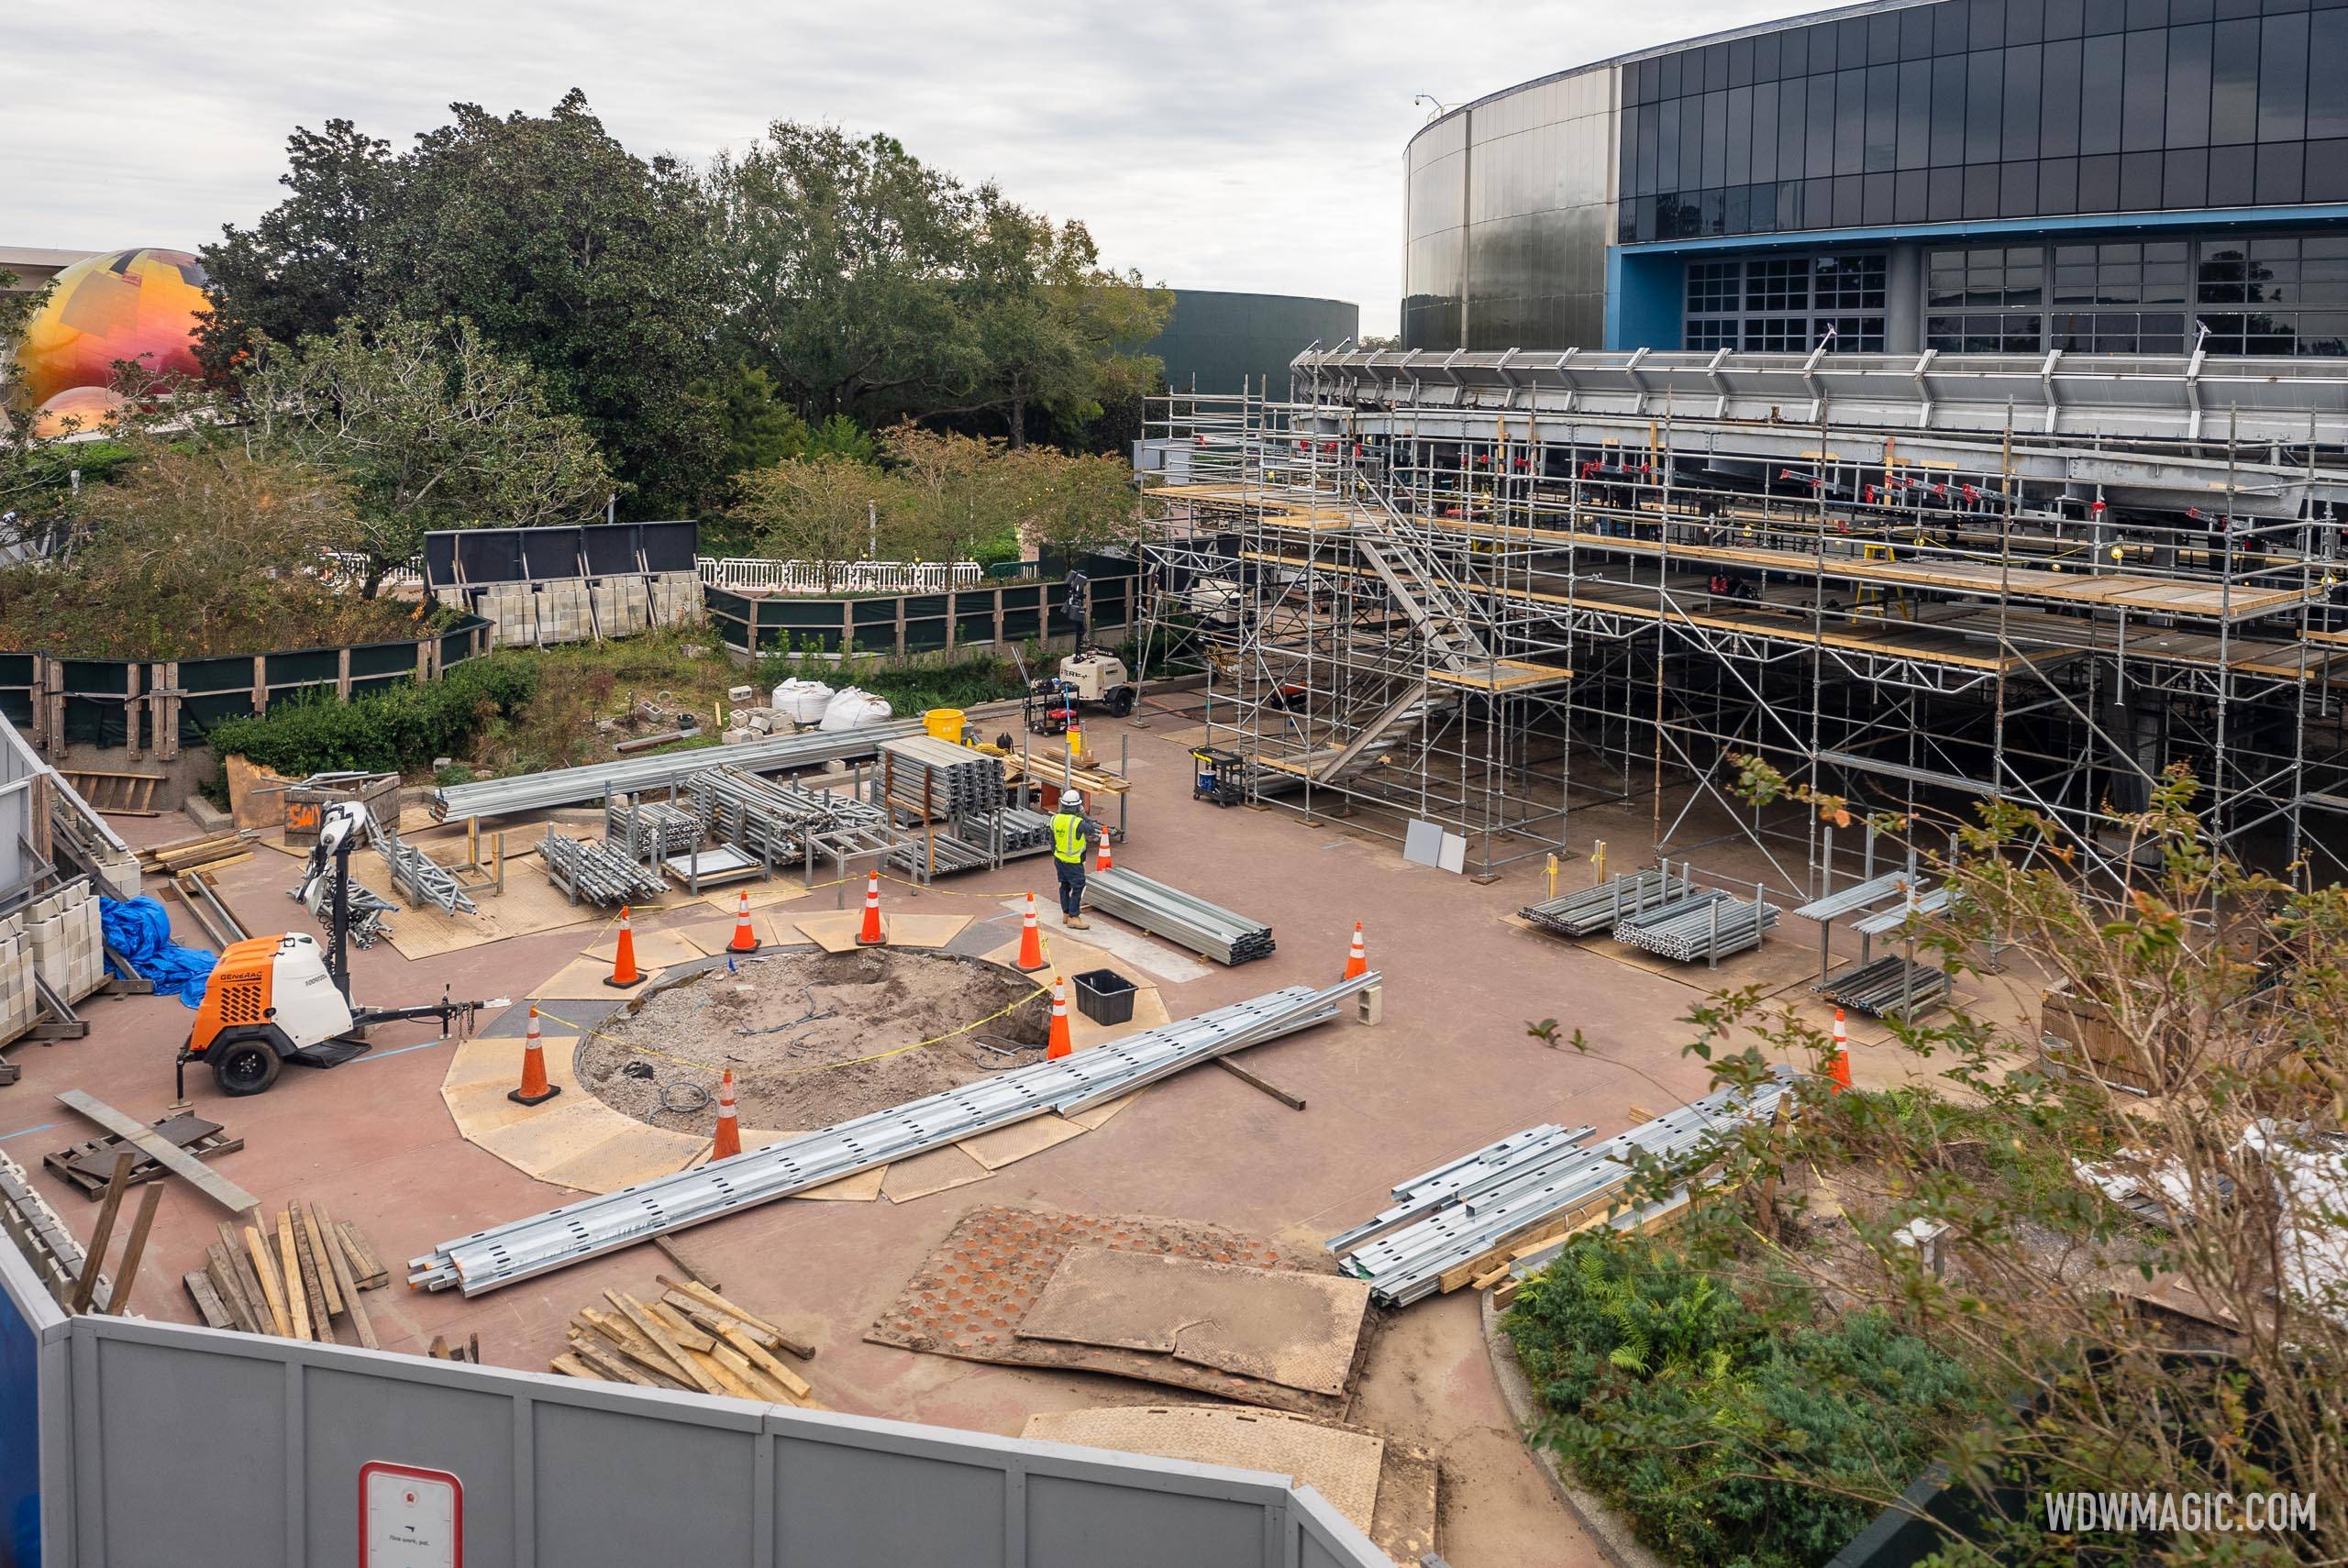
(1413, 704)
(1445, 626)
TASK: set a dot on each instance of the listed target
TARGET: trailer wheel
(1121, 702)
(244, 1066)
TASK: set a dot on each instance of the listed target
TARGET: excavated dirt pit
(657, 1059)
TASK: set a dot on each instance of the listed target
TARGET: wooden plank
(338, 1262)
(608, 1366)
(709, 1297)
(289, 1269)
(654, 1330)
(94, 1257)
(230, 1288)
(127, 1274)
(248, 1283)
(137, 1133)
(632, 1345)
(680, 1329)
(757, 1355)
(1294, 1102)
(709, 1366)
(280, 1320)
(365, 1266)
(699, 1275)
(710, 1320)
(312, 1295)
(571, 1366)
(214, 1310)
(316, 1236)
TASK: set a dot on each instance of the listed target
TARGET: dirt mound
(806, 1034)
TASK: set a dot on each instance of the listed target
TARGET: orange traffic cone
(1838, 1070)
(729, 1127)
(1031, 939)
(745, 939)
(1105, 863)
(1057, 1043)
(535, 1089)
(624, 970)
(871, 936)
(1356, 961)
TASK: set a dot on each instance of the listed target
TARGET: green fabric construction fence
(160, 705)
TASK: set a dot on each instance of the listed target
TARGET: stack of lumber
(1049, 766)
(292, 1277)
(209, 852)
(691, 1339)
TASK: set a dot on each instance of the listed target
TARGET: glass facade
(1960, 112)
(1787, 303)
(1976, 109)
(2282, 293)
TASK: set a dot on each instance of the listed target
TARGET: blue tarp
(141, 932)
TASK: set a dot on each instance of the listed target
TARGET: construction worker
(1073, 835)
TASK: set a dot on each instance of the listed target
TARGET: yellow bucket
(945, 724)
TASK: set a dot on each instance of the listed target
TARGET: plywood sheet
(836, 931)
(582, 980)
(773, 893)
(712, 937)
(1091, 1120)
(654, 949)
(1297, 1330)
(862, 1188)
(1340, 1465)
(1009, 1145)
(940, 1170)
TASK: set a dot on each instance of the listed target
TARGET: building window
(1713, 287)
(1849, 282)
(1707, 336)
(1777, 283)
(1777, 335)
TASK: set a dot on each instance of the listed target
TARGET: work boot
(1076, 922)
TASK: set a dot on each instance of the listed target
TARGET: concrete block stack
(563, 612)
(20, 1004)
(676, 599)
(58, 937)
(623, 606)
(511, 610)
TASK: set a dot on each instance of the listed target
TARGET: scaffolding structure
(1480, 590)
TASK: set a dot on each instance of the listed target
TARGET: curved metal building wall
(1971, 175)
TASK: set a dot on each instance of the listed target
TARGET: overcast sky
(1210, 144)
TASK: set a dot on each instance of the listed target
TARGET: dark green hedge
(399, 730)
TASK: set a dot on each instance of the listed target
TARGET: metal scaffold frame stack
(1482, 589)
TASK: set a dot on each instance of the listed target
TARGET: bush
(1744, 1433)
(396, 731)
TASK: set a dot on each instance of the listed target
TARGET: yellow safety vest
(1068, 838)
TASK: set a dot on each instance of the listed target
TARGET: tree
(1055, 330)
(193, 550)
(810, 509)
(428, 429)
(561, 246)
(839, 260)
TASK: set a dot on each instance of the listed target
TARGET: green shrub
(395, 731)
(1731, 1432)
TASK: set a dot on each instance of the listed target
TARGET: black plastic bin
(1105, 996)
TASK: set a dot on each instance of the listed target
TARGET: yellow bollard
(1597, 859)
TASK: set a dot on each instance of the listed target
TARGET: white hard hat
(1073, 799)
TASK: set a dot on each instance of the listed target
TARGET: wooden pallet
(194, 853)
(115, 794)
(86, 1166)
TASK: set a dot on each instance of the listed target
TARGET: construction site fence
(96, 1469)
(1033, 610)
(160, 705)
(854, 576)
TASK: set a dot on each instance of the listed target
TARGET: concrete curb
(1609, 1528)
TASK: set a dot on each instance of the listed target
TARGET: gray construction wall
(1215, 340)
(164, 1443)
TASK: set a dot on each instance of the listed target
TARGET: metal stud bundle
(929, 777)
(653, 829)
(1179, 917)
(1891, 986)
(1457, 1213)
(1708, 925)
(505, 1254)
(600, 873)
(1604, 907)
